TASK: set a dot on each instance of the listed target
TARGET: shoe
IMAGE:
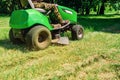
(55, 41)
(56, 26)
(64, 22)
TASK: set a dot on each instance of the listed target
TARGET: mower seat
(38, 9)
(24, 3)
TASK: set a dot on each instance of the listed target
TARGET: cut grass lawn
(95, 57)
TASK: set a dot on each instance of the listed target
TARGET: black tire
(77, 32)
(38, 37)
(13, 39)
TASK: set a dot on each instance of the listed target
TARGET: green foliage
(85, 6)
(7, 6)
(81, 6)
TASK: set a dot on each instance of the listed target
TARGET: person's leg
(55, 10)
(58, 15)
(39, 5)
(53, 7)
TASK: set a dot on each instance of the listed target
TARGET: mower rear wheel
(38, 37)
(77, 32)
(13, 39)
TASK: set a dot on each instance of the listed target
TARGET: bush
(7, 6)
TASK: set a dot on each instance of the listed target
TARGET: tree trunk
(77, 9)
(87, 10)
(102, 8)
(82, 11)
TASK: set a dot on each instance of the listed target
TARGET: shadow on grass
(6, 44)
(4, 15)
(105, 23)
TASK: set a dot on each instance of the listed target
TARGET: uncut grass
(4, 21)
(16, 62)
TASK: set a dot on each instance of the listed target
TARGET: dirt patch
(106, 76)
(81, 75)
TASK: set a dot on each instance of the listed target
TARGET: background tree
(83, 7)
(7, 6)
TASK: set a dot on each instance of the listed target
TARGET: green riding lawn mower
(34, 27)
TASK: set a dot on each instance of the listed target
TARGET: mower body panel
(68, 14)
(22, 19)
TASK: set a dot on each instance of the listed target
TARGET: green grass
(95, 57)
(4, 21)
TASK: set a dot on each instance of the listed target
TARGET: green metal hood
(68, 14)
(21, 19)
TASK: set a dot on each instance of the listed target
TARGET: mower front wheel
(38, 37)
(77, 32)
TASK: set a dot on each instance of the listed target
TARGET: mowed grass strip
(96, 56)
